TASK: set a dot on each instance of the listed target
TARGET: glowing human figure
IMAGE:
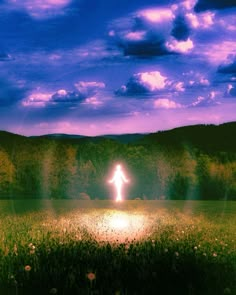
(118, 179)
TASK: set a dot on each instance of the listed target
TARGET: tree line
(165, 165)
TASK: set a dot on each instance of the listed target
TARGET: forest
(194, 162)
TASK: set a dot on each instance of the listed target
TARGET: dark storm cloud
(10, 93)
(140, 36)
(181, 30)
(63, 96)
(143, 83)
(232, 91)
(229, 67)
(158, 31)
(144, 49)
(5, 57)
(203, 5)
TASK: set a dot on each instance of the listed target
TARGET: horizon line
(117, 134)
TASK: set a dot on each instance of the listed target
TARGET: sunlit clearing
(116, 226)
(119, 221)
(118, 179)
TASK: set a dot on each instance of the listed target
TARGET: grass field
(101, 247)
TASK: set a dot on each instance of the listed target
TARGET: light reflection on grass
(169, 239)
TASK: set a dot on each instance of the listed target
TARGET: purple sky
(103, 67)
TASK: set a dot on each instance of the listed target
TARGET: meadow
(102, 247)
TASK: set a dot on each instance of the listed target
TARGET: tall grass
(177, 249)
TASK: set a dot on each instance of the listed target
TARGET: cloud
(39, 9)
(164, 103)
(195, 80)
(88, 89)
(157, 15)
(181, 30)
(85, 93)
(136, 36)
(179, 46)
(229, 67)
(154, 82)
(67, 97)
(143, 83)
(231, 90)
(91, 53)
(178, 86)
(10, 92)
(161, 31)
(201, 21)
(208, 101)
(216, 52)
(143, 33)
(203, 5)
(5, 57)
(37, 99)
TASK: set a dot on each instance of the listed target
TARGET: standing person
(118, 179)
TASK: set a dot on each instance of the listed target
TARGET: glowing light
(119, 222)
(118, 179)
(116, 226)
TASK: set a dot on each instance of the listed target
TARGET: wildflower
(214, 254)
(195, 248)
(32, 248)
(91, 276)
(27, 268)
(177, 254)
(204, 254)
(53, 291)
